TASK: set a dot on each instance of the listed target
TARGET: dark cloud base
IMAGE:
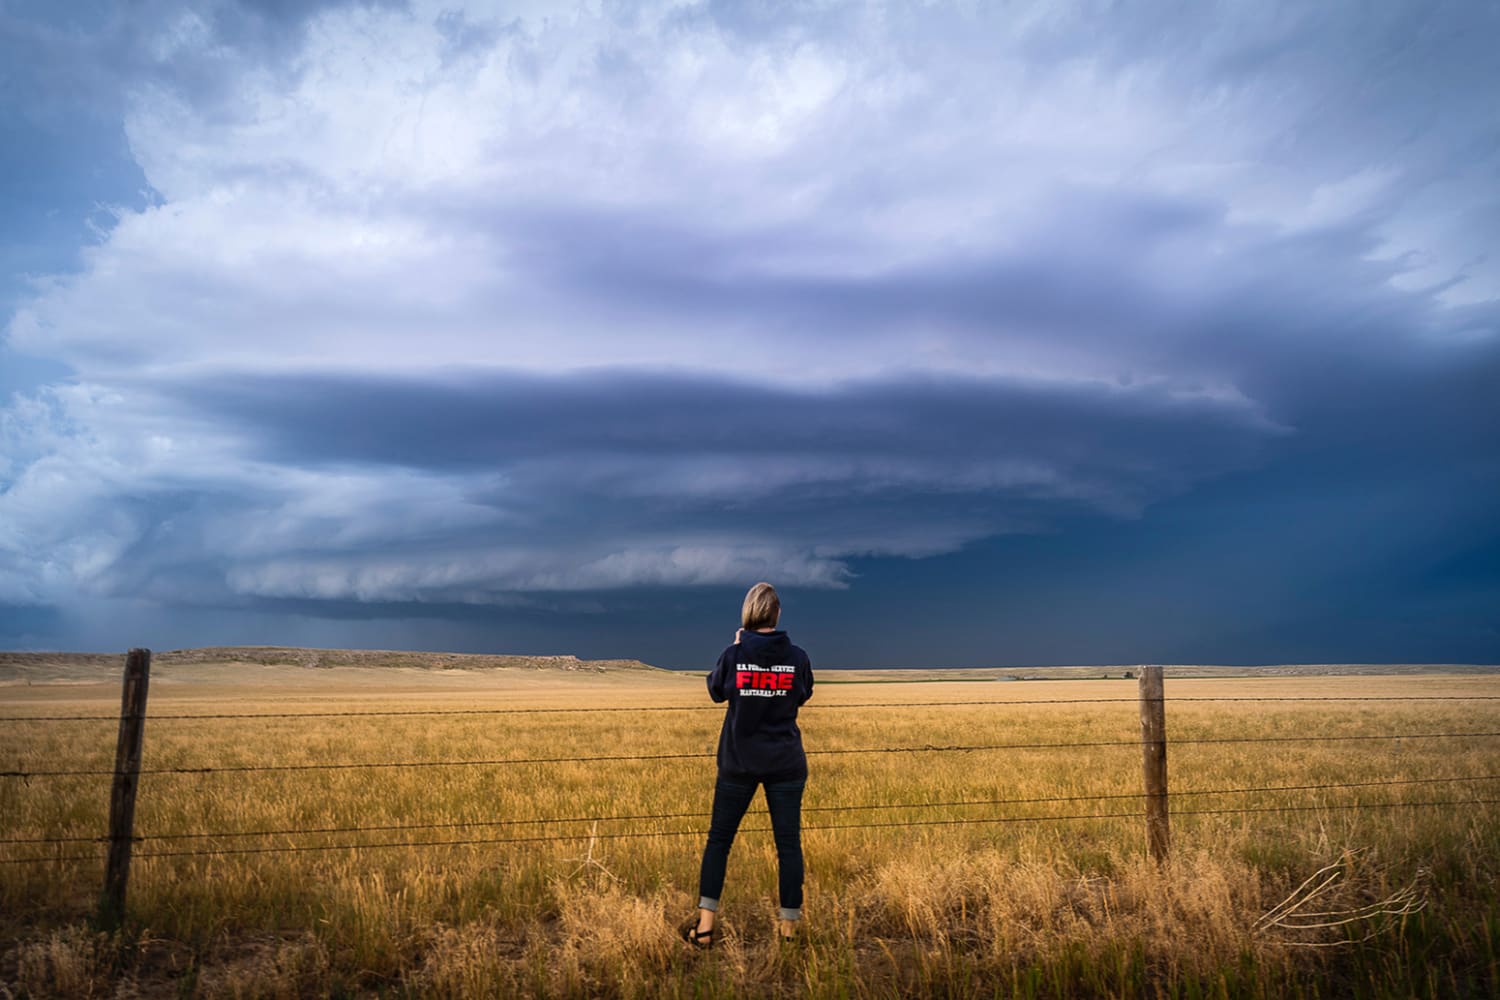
(472, 419)
(1361, 536)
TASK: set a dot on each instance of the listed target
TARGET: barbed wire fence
(121, 840)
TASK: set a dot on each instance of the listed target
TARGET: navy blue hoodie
(765, 679)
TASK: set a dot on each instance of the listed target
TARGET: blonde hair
(762, 608)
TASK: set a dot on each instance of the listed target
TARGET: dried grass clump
(927, 898)
(616, 939)
(69, 962)
(1194, 915)
(1190, 917)
(474, 960)
(272, 970)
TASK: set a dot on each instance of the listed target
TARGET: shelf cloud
(431, 306)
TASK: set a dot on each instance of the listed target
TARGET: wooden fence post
(122, 793)
(1154, 761)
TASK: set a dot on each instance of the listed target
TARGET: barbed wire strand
(616, 758)
(848, 807)
(638, 834)
(815, 707)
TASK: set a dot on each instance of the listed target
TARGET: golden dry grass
(1035, 907)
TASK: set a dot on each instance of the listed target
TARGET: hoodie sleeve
(718, 679)
(805, 669)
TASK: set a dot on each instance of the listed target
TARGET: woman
(764, 679)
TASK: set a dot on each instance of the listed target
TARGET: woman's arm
(718, 678)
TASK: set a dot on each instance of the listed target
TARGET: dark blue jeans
(731, 799)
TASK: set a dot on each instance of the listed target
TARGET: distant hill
(61, 666)
(21, 664)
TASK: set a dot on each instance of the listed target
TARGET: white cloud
(368, 190)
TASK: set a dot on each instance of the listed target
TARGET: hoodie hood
(772, 644)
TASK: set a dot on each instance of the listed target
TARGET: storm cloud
(426, 307)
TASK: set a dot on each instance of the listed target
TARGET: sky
(992, 334)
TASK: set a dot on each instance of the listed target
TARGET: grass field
(916, 905)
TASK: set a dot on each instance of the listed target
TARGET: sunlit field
(554, 894)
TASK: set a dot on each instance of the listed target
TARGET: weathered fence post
(1154, 761)
(122, 793)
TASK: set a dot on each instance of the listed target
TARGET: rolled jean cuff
(791, 914)
(712, 905)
